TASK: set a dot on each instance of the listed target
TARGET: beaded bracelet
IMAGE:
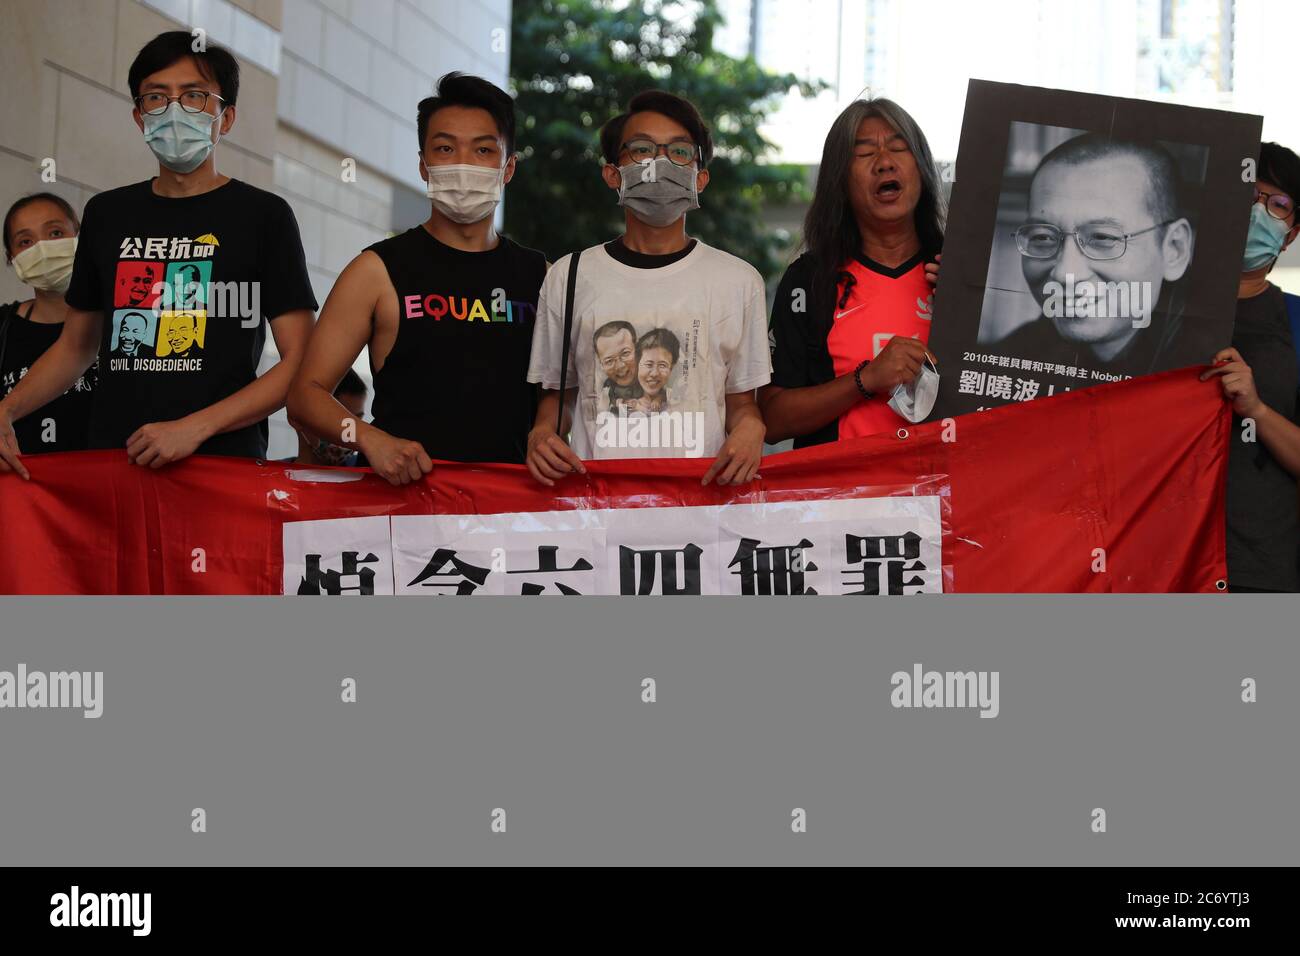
(857, 378)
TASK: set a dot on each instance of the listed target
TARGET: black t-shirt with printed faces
(186, 287)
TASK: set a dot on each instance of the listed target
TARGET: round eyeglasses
(192, 101)
(679, 152)
(1277, 205)
(1099, 242)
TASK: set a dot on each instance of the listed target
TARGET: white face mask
(915, 400)
(47, 265)
(181, 140)
(464, 193)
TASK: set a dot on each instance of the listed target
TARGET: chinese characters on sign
(841, 546)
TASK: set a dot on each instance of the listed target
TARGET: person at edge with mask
(667, 288)
(40, 237)
(446, 308)
(1259, 375)
(351, 394)
(851, 316)
(188, 384)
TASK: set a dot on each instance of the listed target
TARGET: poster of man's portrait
(1090, 239)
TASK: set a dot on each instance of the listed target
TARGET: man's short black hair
(461, 89)
(1164, 200)
(350, 384)
(216, 63)
(676, 108)
(1281, 167)
(613, 328)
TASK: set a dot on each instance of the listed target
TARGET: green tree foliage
(576, 63)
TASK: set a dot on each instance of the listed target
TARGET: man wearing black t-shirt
(1259, 377)
(446, 309)
(174, 283)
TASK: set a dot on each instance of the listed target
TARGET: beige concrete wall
(337, 218)
(353, 71)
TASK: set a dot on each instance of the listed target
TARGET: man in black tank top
(446, 308)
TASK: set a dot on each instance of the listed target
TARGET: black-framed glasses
(192, 101)
(680, 152)
(1277, 205)
(1039, 240)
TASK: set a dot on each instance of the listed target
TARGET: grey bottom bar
(1131, 705)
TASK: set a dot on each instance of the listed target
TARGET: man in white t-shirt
(669, 337)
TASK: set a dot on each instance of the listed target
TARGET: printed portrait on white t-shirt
(649, 369)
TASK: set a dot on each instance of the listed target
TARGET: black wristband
(857, 379)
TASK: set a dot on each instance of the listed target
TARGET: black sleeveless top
(455, 379)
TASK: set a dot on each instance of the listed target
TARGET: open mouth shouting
(888, 191)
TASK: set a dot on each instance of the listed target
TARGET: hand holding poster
(1090, 239)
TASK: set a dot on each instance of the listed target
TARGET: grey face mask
(658, 192)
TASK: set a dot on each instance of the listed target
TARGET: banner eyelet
(902, 433)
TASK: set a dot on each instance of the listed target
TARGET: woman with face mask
(1259, 377)
(40, 237)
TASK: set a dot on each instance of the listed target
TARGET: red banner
(1113, 488)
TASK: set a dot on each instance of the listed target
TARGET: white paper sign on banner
(832, 546)
(890, 545)
(661, 550)
(551, 552)
(338, 556)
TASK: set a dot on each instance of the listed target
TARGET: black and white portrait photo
(1091, 239)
